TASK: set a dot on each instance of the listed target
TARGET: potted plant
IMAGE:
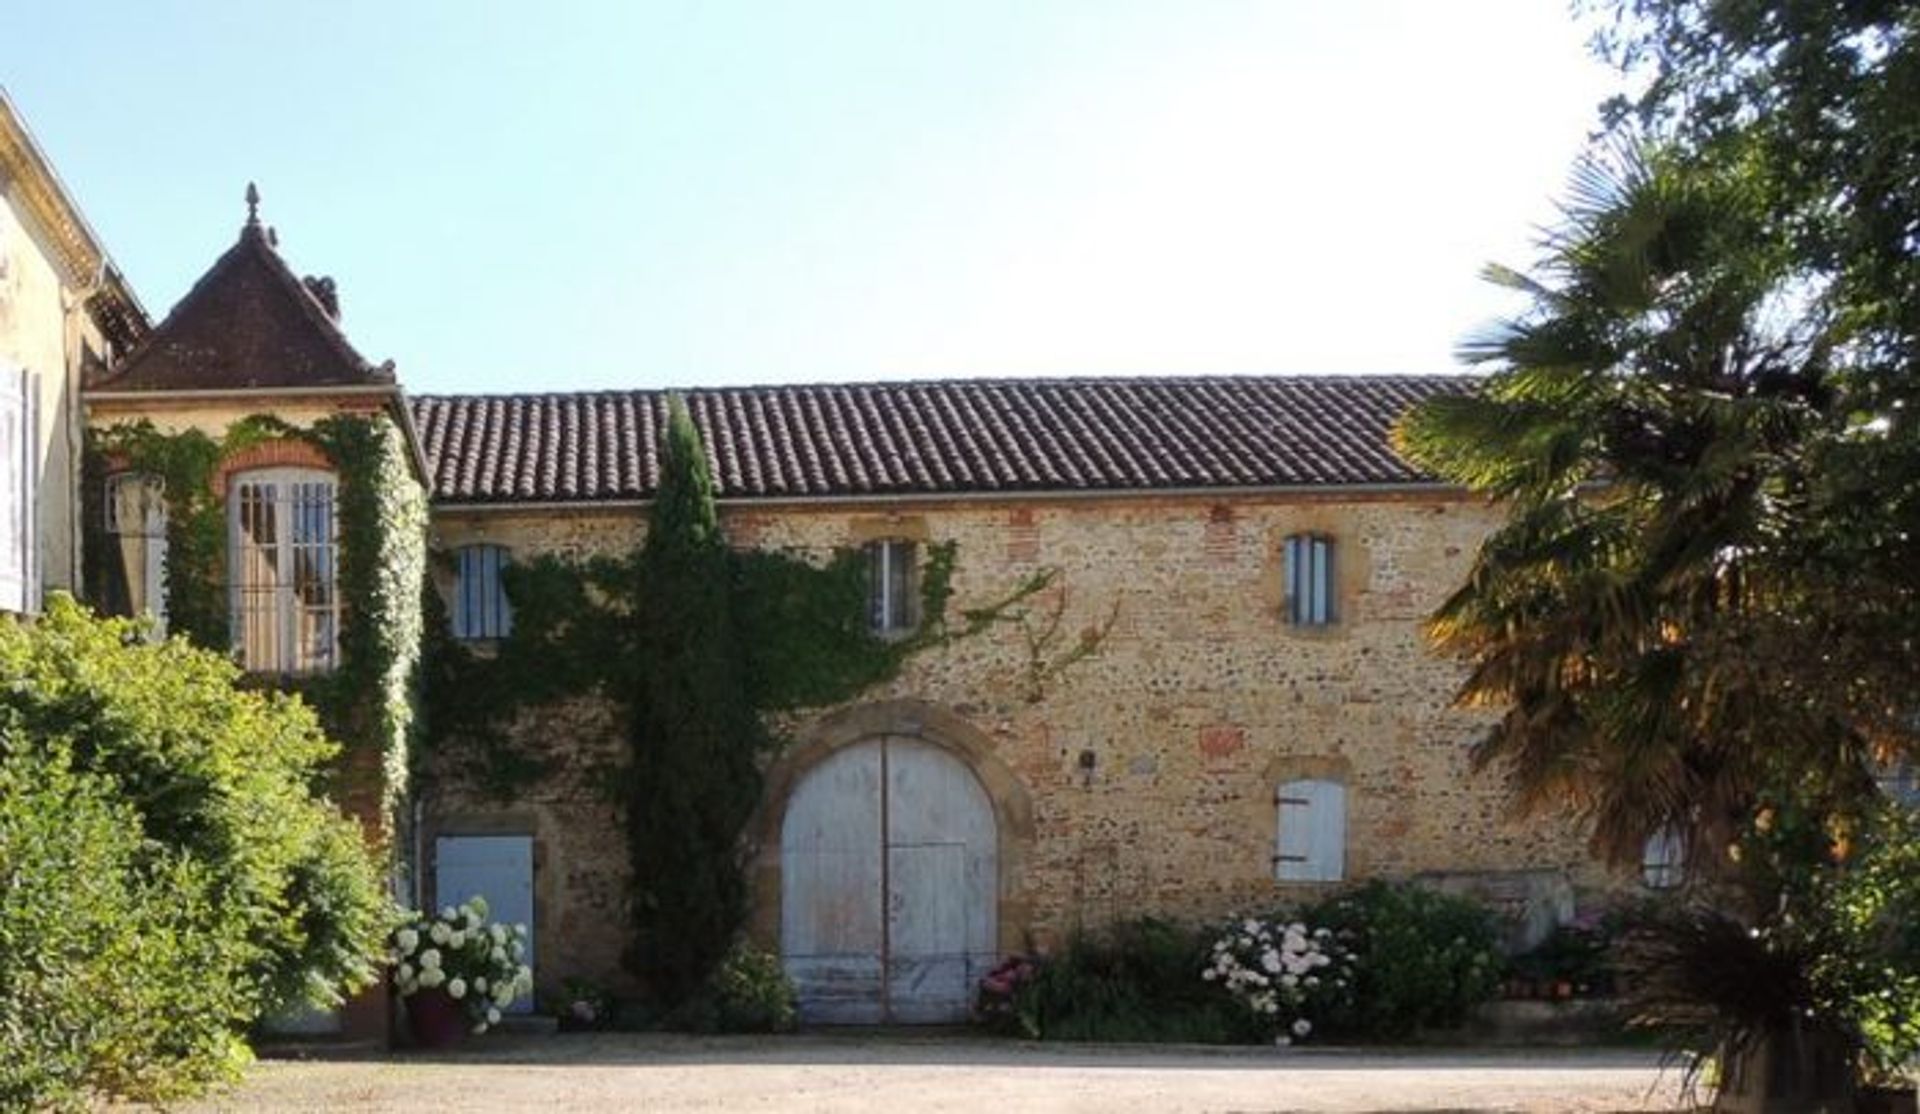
(456, 972)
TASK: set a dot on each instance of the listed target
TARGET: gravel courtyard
(902, 1074)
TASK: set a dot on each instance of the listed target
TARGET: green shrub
(1139, 980)
(170, 876)
(749, 992)
(1425, 959)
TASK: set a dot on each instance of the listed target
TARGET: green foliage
(1840, 957)
(1426, 959)
(103, 952)
(749, 992)
(172, 878)
(1139, 980)
(694, 777)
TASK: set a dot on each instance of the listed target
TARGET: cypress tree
(697, 739)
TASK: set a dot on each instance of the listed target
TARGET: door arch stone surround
(914, 719)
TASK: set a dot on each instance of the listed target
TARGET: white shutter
(1311, 841)
(18, 445)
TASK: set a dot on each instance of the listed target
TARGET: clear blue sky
(585, 194)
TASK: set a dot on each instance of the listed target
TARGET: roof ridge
(968, 381)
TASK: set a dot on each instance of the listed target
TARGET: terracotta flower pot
(437, 1021)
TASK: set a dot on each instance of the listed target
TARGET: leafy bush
(1139, 980)
(1425, 959)
(170, 876)
(749, 992)
(1814, 937)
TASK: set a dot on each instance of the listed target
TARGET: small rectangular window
(1309, 578)
(1310, 840)
(1663, 860)
(891, 606)
(480, 609)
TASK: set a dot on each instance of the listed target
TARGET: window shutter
(17, 450)
(1311, 841)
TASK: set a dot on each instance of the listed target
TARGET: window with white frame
(1663, 859)
(1310, 839)
(283, 563)
(892, 606)
(19, 488)
(480, 608)
(136, 524)
(1309, 575)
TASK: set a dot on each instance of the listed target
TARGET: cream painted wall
(43, 329)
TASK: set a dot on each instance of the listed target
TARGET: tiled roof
(930, 438)
(249, 323)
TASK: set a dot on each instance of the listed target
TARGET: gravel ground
(891, 1074)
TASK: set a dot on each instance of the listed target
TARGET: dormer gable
(249, 324)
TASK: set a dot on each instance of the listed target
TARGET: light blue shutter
(1311, 836)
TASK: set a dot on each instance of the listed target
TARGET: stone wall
(1150, 768)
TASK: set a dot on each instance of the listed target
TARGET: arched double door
(889, 885)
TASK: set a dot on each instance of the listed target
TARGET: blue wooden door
(497, 868)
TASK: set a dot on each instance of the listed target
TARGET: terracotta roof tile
(931, 438)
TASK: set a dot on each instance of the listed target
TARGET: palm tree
(1678, 615)
(1652, 424)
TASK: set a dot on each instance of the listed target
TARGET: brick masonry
(1143, 779)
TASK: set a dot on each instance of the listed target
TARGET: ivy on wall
(369, 701)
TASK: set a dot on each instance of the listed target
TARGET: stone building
(1254, 716)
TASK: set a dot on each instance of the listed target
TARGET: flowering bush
(1000, 989)
(1286, 975)
(477, 964)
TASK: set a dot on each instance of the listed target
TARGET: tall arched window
(480, 609)
(136, 521)
(282, 567)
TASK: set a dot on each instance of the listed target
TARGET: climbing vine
(381, 525)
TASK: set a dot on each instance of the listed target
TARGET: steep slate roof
(249, 323)
(930, 438)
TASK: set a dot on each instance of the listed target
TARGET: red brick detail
(1023, 535)
(1221, 740)
(284, 453)
(1222, 534)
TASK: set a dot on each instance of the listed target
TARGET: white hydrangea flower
(446, 912)
(405, 973)
(430, 958)
(480, 984)
(1282, 1041)
(456, 939)
(439, 933)
(493, 1016)
(503, 994)
(480, 1028)
(519, 930)
(432, 977)
(407, 940)
(1289, 981)
(523, 978)
(1302, 1027)
(498, 933)
(457, 988)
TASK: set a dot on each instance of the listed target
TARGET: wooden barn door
(889, 884)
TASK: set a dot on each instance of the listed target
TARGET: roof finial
(253, 205)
